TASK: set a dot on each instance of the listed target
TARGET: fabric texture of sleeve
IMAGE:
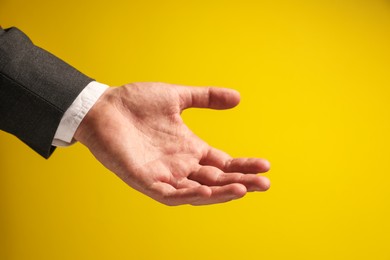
(76, 112)
(36, 88)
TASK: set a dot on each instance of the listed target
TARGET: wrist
(91, 118)
(73, 116)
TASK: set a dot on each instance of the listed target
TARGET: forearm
(36, 88)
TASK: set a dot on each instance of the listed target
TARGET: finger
(226, 163)
(208, 97)
(186, 183)
(168, 195)
(211, 176)
(223, 194)
(247, 165)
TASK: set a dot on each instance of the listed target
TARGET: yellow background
(314, 78)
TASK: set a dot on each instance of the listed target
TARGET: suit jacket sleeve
(36, 88)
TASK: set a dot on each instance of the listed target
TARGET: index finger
(226, 163)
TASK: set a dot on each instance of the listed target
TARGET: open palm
(137, 132)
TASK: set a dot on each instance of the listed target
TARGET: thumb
(208, 97)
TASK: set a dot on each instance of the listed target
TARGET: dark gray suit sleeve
(36, 88)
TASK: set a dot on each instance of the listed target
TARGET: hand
(136, 131)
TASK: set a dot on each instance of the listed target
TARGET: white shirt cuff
(76, 112)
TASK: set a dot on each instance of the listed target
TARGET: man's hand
(136, 131)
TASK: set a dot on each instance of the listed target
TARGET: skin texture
(136, 131)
